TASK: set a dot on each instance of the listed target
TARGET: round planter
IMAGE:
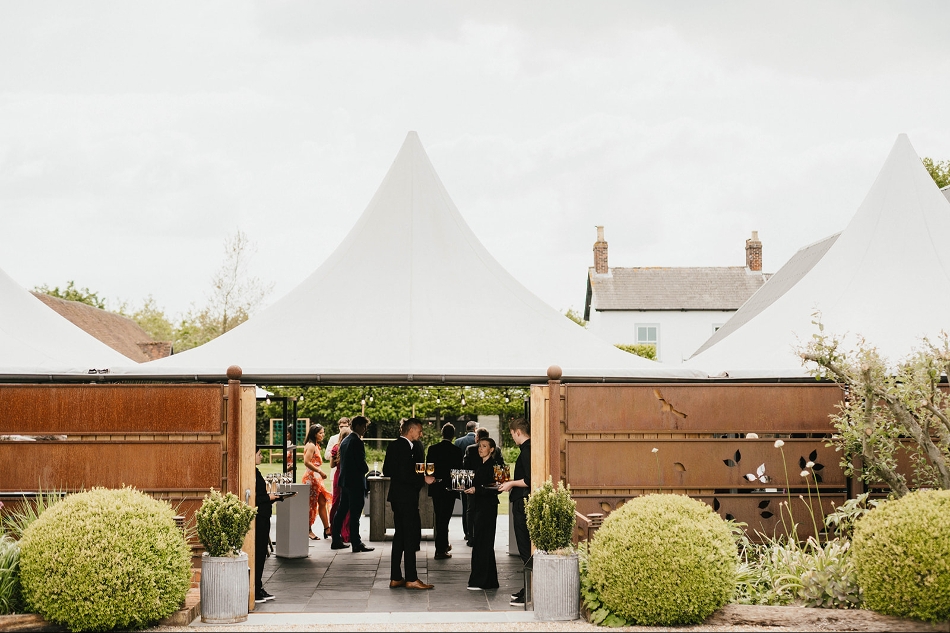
(224, 589)
(556, 586)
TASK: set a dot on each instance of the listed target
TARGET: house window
(649, 334)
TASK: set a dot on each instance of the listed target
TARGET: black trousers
(442, 507)
(351, 500)
(261, 545)
(466, 520)
(405, 539)
(520, 524)
(484, 572)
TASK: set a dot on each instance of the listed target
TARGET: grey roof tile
(674, 288)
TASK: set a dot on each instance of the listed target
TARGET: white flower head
(804, 473)
(655, 450)
(810, 465)
(751, 436)
(779, 443)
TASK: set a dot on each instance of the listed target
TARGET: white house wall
(680, 332)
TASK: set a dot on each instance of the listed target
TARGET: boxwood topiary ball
(902, 554)
(105, 559)
(663, 560)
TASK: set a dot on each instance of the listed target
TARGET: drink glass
(420, 468)
(430, 469)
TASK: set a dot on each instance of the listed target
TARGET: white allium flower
(804, 473)
(810, 465)
(779, 443)
(655, 450)
(751, 436)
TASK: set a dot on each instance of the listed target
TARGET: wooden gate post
(553, 426)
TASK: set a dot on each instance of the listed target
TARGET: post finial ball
(554, 372)
(235, 372)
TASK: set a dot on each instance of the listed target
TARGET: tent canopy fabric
(409, 296)
(885, 278)
(36, 342)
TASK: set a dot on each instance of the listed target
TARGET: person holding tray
(484, 493)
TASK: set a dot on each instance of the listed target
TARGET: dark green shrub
(550, 517)
(105, 559)
(902, 555)
(223, 522)
(661, 560)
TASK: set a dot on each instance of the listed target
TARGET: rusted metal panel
(146, 466)
(765, 515)
(699, 463)
(110, 409)
(725, 408)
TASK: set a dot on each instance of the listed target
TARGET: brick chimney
(600, 253)
(753, 253)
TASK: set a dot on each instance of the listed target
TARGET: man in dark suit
(463, 443)
(446, 456)
(404, 486)
(353, 471)
(471, 461)
(519, 489)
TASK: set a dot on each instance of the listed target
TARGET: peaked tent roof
(886, 277)
(410, 295)
(35, 342)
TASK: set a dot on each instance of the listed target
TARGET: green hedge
(902, 555)
(105, 559)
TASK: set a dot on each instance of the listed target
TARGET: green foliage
(939, 171)
(576, 317)
(105, 559)
(902, 555)
(841, 522)
(72, 293)
(550, 517)
(890, 409)
(660, 560)
(223, 522)
(646, 350)
(16, 521)
(9, 575)
(781, 571)
(152, 319)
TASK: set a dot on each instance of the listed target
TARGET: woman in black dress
(484, 573)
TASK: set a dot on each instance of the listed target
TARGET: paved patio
(339, 581)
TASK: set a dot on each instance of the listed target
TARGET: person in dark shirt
(471, 461)
(265, 502)
(518, 490)
(353, 471)
(447, 457)
(463, 443)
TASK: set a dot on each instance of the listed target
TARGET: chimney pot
(600, 253)
(753, 253)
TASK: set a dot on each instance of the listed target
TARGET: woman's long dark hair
(313, 433)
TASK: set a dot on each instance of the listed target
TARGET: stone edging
(805, 619)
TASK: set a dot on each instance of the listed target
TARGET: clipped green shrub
(902, 555)
(105, 559)
(9, 575)
(223, 522)
(661, 560)
(549, 513)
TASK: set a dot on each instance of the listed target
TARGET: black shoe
(362, 548)
(517, 602)
(267, 597)
(520, 594)
(470, 544)
(258, 599)
(338, 546)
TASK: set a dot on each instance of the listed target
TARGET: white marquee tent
(886, 278)
(410, 295)
(37, 343)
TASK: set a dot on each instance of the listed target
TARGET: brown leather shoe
(396, 583)
(418, 584)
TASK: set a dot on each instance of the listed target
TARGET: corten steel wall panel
(105, 409)
(147, 466)
(789, 408)
(762, 513)
(698, 463)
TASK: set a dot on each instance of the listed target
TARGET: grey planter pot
(556, 587)
(224, 589)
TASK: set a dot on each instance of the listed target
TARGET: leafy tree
(72, 293)
(576, 317)
(889, 409)
(153, 320)
(646, 350)
(939, 171)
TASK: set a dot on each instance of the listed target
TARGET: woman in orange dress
(319, 496)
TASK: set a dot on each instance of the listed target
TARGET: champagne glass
(420, 468)
(430, 469)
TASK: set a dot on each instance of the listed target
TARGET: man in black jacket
(519, 488)
(463, 443)
(446, 456)
(353, 471)
(404, 486)
(264, 501)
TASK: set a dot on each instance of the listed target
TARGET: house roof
(409, 296)
(118, 332)
(885, 278)
(672, 288)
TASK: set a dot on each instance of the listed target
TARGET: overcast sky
(134, 137)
